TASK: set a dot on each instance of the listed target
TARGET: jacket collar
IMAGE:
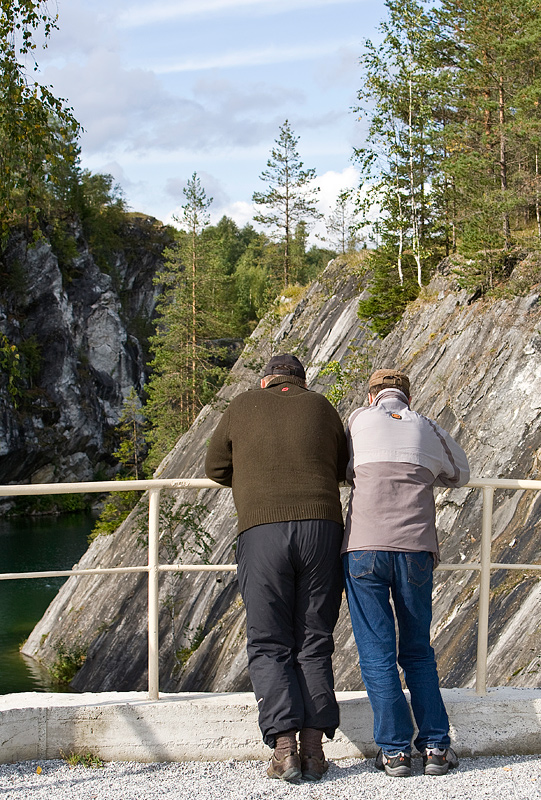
(390, 397)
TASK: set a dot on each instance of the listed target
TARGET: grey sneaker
(439, 762)
(397, 766)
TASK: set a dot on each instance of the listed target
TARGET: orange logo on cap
(396, 416)
(285, 389)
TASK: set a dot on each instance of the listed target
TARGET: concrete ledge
(125, 726)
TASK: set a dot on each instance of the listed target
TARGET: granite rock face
(475, 368)
(80, 319)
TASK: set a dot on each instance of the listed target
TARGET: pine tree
(290, 198)
(494, 138)
(132, 446)
(192, 310)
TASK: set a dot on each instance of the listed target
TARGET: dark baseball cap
(285, 365)
(393, 378)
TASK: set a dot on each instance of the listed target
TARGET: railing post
(484, 592)
(153, 609)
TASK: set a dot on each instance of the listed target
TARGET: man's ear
(263, 382)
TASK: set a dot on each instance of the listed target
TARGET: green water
(26, 545)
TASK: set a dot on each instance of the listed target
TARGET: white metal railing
(484, 566)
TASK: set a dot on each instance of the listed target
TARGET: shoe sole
(401, 771)
(438, 769)
(398, 772)
(312, 776)
(291, 774)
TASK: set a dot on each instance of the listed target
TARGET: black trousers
(290, 579)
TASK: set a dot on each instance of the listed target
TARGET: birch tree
(37, 130)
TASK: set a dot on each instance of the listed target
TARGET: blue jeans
(371, 576)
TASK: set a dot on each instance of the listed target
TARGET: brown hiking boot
(313, 763)
(287, 769)
(313, 769)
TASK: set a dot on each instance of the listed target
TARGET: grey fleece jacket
(396, 457)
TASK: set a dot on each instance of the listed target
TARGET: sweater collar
(277, 379)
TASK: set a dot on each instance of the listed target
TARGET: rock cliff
(83, 324)
(475, 367)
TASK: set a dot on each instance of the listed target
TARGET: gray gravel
(509, 777)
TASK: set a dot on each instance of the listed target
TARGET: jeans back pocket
(420, 567)
(361, 562)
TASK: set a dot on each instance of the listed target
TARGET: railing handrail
(86, 487)
(154, 486)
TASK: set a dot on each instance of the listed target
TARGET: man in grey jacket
(390, 549)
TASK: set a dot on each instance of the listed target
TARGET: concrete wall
(180, 727)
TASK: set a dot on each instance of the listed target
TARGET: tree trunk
(194, 319)
(503, 164)
(414, 214)
(537, 209)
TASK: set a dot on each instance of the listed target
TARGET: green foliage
(12, 372)
(102, 211)
(30, 352)
(341, 225)
(181, 532)
(130, 431)
(88, 760)
(255, 281)
(67, 663)
(356, 370)
(130, 451)
(193, 310)
(49, 504)
(388, 297)
(183, 654)
(19, 367)
(452, 156)
(116, 509)
(181, 528)
(37, 131)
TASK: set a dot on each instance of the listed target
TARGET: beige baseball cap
(393, 378)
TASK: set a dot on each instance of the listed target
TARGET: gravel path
(494, 778)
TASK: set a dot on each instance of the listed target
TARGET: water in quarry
(31, 544)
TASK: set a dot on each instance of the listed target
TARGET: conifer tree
(493, 139)
(192, 311)
(290, 198)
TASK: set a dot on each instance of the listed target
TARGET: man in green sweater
(283, 450)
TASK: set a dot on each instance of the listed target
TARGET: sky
(166, 88)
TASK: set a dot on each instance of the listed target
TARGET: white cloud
(331, 184)
(240, 211)
(252, 58)
(159, 12)
(235, 98)
(82, 29)
(129, 110)
(211, 185)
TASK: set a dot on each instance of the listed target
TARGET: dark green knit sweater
(283, 450)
